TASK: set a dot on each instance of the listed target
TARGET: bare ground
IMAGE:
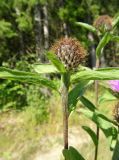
(77, 138)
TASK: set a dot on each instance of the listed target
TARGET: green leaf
(28, 77)
(87, 103)
(114, 140)
(108, 69)
(77, 92)
(115, 38)
(105, 39)
(116, 151)
(105, 124)
(87, 26)
(24, 22)
(72, 154)
(115, 22)
(6, 29)
(92, 134)
(44, 68)
(94, 116)
(111, 74)
(56, 62)
(106, 97)
(32, 2)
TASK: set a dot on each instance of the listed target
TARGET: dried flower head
(103, 23)
(70, 52)
(116, 113)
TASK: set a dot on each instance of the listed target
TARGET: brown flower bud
(103, 23)
(70, 52)
(116, 113)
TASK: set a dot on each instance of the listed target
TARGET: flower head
(70, 52)
(114, 85)
(116, 113)
(103, 23)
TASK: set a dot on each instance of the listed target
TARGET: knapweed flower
(103, 23)
(70, 52)
(114, 85)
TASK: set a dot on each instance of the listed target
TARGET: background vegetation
(27, 30)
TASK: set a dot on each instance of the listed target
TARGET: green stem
(97, 146)
(64, 95)
(116, 149)
(96, 103)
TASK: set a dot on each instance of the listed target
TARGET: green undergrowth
(23, 134)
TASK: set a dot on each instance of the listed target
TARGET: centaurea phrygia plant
(71, 53)
(103, 23)
(104, 27)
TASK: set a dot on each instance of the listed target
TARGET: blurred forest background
(28, 28)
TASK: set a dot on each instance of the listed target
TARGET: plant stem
(116, 149)
(96, 148)
(96, 104)
(97, 128)
(64, 94)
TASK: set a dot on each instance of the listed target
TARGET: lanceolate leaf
(115, 22)
(110, 74)
(53, 58)
(87, 103)
(44, 68)
(87, 26)
(108, 69)
(106, 38)
(77, 92)
(72, 154)
(106, 97)
(25, 77)
(92, 134)
(103, 122)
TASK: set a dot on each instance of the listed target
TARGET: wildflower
(103, 23)
(70, 52)
(114, 85)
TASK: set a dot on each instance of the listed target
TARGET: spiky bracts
(103, 23)
(116, 113)
(70, 52)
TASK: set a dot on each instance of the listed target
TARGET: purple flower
(114, 85)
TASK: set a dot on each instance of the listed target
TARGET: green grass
(104, 151)
(21, 136)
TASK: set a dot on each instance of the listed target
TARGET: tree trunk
(38, 31)
(21, 39)
(65, 29)
(45, 27)
(64, 24)
(22, 47)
